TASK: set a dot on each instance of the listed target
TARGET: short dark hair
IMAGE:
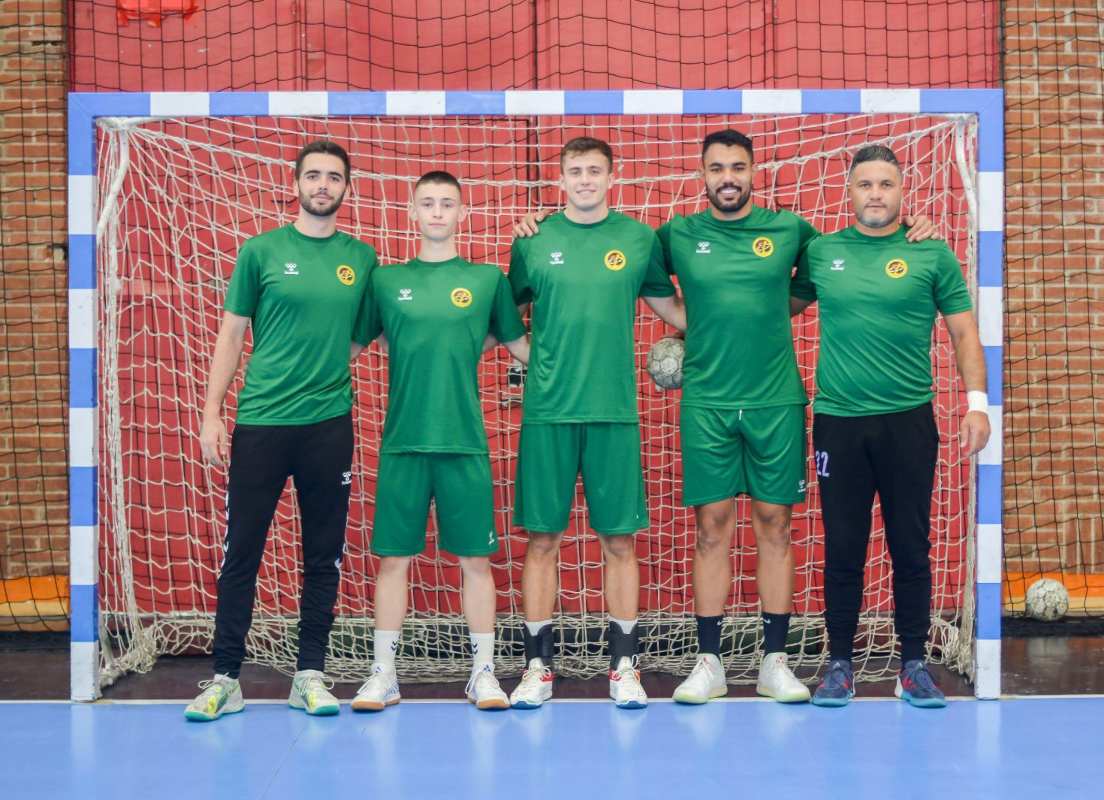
(327, 148)
(873, 152)
(729, 138)
(586, 144)
(438, 176)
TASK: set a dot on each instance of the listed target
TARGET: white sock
(482, 649)
(535, 627)
(626, 625)
(384, 647)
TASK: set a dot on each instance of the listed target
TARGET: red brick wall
(33, 484)
(1054, 406)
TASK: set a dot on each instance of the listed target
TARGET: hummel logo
(346, 478)
(703, 248)
(291, 268)
(837, 265)
(406, 294)
(555, 259)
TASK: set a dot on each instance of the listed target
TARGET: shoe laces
(316, 683)
(215, 685)
(919, 675)
(837, 676)
(703, 667)
(379, 676)
(477, 676)
(630, 669)
(536, 674)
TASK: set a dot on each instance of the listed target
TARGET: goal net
(177, 197)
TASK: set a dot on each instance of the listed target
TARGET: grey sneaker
(221, 695)
(310, 691)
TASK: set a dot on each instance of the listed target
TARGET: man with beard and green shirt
(437, 313)
(303, 289)
(583, 274)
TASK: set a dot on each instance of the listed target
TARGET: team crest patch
(346, 275)
(896, 268)
(762, 246)
(616, 260)
(461, 298)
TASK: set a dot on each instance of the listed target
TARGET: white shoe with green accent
(379, 691)
(221, 695)
(483, 690)
(777, 681)
(310, 691)
(704, 683)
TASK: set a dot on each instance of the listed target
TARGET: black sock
(912, 650)
(622, 645)
(709, 634)
(775, 628)
(539, 645)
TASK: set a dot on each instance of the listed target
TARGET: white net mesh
(177, 199)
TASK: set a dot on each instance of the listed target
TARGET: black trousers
(893, 455)
(318, 458)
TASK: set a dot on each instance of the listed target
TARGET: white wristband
(977, 401)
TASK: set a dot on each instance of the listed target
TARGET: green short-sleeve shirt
(306, 298)
(735, 277)
(436, 317)
(583, 282)
(878, 299)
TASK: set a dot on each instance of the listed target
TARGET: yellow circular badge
(616, 260)
(762, 247)
(461, 298)
(346, 275)
(897, 268)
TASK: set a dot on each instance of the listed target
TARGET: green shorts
(550, 458)
(755, 451)
(461, 488)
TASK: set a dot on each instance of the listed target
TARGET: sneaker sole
(199, 716)
(373, 705)
(697, 699)
(631, 704)
(495, 704)
(321, 711)
(525, 705)
(802, 697)
(917, 702)
(830, 702)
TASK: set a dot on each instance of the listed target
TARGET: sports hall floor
(136, 744)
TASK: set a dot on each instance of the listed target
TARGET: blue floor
(568, 750)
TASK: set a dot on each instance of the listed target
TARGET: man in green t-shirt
(583, 274)
(303, 289)
(873, 427)
(437, 313)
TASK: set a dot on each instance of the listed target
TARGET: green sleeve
(506, 324)
(801, 286)
(245, 284)
(664, 236)
(657, 283)
(519, 273)
(366, 327)
(951, 294)
(806, 233)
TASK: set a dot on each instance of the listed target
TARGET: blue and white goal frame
(84, 108)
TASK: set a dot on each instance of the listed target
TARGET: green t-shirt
(878, 297)
(305, 297)
(435, 317)
(735, 278)
(583, 282)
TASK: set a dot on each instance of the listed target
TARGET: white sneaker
(704, 683)
(776, 680)
(535, 687)
(221, 695)
(310, 691)
(484, 691)
(379, 691)
(625, 688)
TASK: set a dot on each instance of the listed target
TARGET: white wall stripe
(771, 101)
(988, 676)
(890, 101)
(989, 544)
(653, 101)
(990, 312)
(82, 318)
(533, 103)
(82, 437)
(298, 104)
(82, 555)
(84, 678)
(413, 104)
(82, 204)
(180, 104)
(991, 453)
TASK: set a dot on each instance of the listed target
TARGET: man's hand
(213, 441)
(919, 229)
(529, 225)
(975, 431)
